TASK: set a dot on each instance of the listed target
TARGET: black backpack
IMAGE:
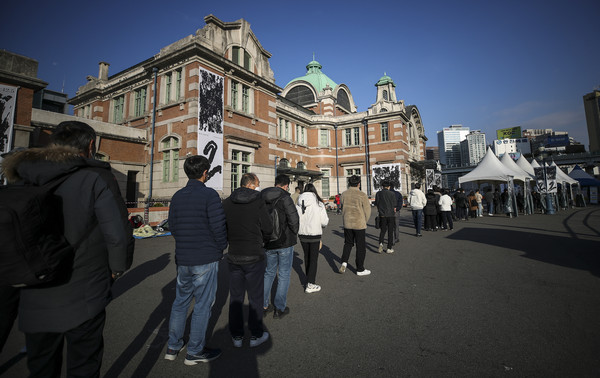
(274, 214)
(34, 250)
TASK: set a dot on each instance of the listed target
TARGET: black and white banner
(389, 172)
(8, 96)
(210, 125)
(541, 180)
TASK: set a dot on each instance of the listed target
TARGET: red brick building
(266, 128)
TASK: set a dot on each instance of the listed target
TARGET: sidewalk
(496, 296)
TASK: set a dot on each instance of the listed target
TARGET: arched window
(301, 165)
(301, 95)
(284, 163)
(343, 100)
(383, 110)
(385, 95)
(170, 147)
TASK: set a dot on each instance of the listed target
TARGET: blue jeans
(278, 259)
(418, 219)
(200, 283)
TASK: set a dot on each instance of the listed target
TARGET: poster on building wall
(389, 172)
(8, 96)
(210, 125)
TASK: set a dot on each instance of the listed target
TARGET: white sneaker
(312, 288)
(380, 248)
(256, 341)
(237, 341)
(342, 268)
(365, 272)
(390, 250)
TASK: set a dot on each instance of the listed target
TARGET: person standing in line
(313, 218)
(197, 223)
(296, 194)
(399, 203)
(438, 216)
(430, 210)
(73, 310)
(338, 203)
(446, 208)
(280, 252)
(356, 211)
(479, 198)
(472, 204)
(489, 198)
(417, 201)
(386, 202)
(497, 201)
(248, 227)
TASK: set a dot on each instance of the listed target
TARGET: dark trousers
(358, 237)
(430, 222)
(387, 225)
(311, 259)
(250, 278)
(447, 220)
(85, 346)
(9, 304)
(397, 228)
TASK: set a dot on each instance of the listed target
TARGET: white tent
(562, 176)
(524, 165)
(490, 169)
(510, 164)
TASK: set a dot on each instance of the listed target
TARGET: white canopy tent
(491, 169)
(524, 165)
(510, 164)
(562, 176)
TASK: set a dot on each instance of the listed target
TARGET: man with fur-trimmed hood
(95, 218)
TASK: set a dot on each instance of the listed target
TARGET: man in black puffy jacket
(280, 251)
(95, 218)
(248, 227)
(197, 221)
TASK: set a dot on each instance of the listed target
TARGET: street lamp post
(366, 124)
(337, 177)
(147, 208)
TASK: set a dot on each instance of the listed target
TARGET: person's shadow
(140, 273)
(159, 319)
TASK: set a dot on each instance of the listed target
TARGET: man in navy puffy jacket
(197, 221)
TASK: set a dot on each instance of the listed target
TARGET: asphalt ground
(496, 297)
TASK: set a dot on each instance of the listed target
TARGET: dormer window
(241, 57)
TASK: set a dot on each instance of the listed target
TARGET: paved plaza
(495, 297)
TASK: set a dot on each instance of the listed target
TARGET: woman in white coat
(313, 217)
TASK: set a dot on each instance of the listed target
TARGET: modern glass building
(449, 144)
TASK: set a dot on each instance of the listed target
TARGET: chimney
(103, 73)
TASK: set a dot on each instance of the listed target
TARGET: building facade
(449, 144)
(473, 148)
(309, 129)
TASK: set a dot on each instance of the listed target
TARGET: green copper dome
(385, 79)
(315, 77)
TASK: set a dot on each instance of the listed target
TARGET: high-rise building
(449, 144)
(591, 104)
(472, 149)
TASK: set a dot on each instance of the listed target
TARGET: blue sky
(483, 64)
